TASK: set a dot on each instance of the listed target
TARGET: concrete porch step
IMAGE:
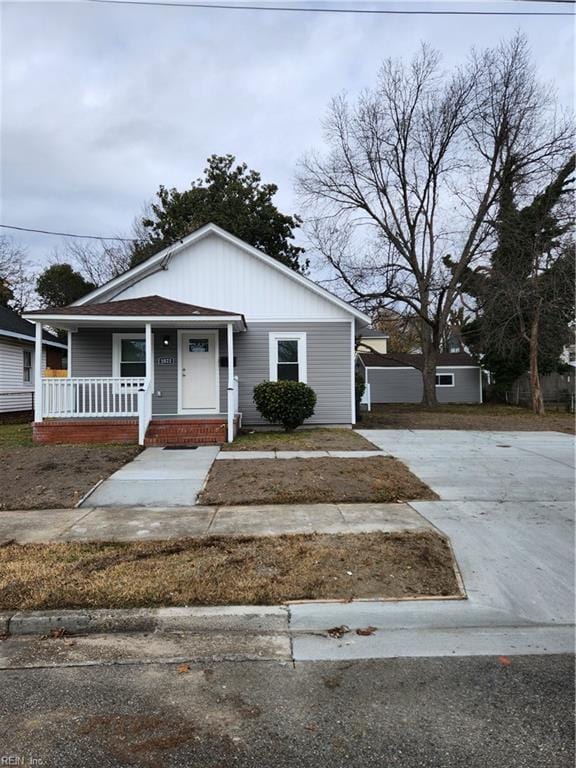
(162, 432)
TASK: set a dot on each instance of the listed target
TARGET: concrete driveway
(507, 504)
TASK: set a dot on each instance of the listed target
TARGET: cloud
(101, 104)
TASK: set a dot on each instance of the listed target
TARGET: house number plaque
(166, 361)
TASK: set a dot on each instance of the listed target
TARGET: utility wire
(69, 234)
(303, 9)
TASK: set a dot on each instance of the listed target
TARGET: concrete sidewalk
(156, 477)
(298, 454)
(146, 523)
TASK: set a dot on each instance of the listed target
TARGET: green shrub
(359, 389)
(288, 403)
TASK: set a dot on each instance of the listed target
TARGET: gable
(214, 271)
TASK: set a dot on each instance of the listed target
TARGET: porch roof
(133, 312)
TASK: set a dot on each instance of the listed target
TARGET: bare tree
(99, 261)
(16, 277)
(412, 176)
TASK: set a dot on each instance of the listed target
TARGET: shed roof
(401, 360)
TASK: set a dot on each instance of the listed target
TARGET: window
(288, 357)
(198, 345)
(444, 379)
(129, 355)
(27, 366)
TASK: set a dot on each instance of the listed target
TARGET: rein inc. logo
(21, 760)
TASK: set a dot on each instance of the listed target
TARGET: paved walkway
(157, 477)
(299, 454)
(146, 523)
(508, 507)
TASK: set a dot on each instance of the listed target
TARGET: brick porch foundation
(58, 431)
(160, 431)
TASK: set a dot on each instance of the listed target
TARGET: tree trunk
(430, 356)
(535, 388)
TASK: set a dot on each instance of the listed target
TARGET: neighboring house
(396, 378)
(170, 351)
(17, 360)
(373, 341)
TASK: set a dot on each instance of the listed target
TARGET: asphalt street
(416, 713)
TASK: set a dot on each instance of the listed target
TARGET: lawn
(491, 416)
(52, 476)
(312, 481)
(225, 571)
(301, 440)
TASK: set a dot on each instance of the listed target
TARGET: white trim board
(156, 320)
(300, 337)
(161, 260)
(413, 368)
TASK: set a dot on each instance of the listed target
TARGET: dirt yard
(51, 476)
(312, 481)
(467, 417)
(301, 440)
(223, 571)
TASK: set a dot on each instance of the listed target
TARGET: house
(396, 378)
(170, 351)
(17, 353)
(373, 340)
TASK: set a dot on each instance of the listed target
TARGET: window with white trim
(129, 355)
(27, 366)
(444, 379)
(288, 357)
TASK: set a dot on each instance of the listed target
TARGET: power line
(375, 11)
(68, 234)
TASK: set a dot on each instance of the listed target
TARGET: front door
(199, 371)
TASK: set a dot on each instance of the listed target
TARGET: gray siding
(328, 364)
(390, 385)
(92, 351)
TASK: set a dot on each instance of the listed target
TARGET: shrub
(359, 389)
(288, 403)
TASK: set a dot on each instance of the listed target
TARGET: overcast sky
(101, 104)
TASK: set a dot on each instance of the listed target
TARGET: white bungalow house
(170, 351)
(17, 360)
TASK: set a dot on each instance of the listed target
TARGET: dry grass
(52, 476)
(312, 481)
(467, 417)
(221, 571)
(301, 440)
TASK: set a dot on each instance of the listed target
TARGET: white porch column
(149, 355)
(231, 414)
(69, 355)
(38, 373)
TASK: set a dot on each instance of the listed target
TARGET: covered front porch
(147, 370)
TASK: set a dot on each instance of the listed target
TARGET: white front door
(199, 389)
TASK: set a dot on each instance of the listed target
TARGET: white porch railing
(144, 409)
(91, 397)
(366, 397)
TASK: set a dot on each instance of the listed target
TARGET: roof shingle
(146, 306)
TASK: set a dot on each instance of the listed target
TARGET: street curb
(98, 621)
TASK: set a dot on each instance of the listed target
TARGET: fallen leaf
(338, 632)
(366, 631)
(54, 634)
(311, 727)
(505, 661)
(183, 668)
